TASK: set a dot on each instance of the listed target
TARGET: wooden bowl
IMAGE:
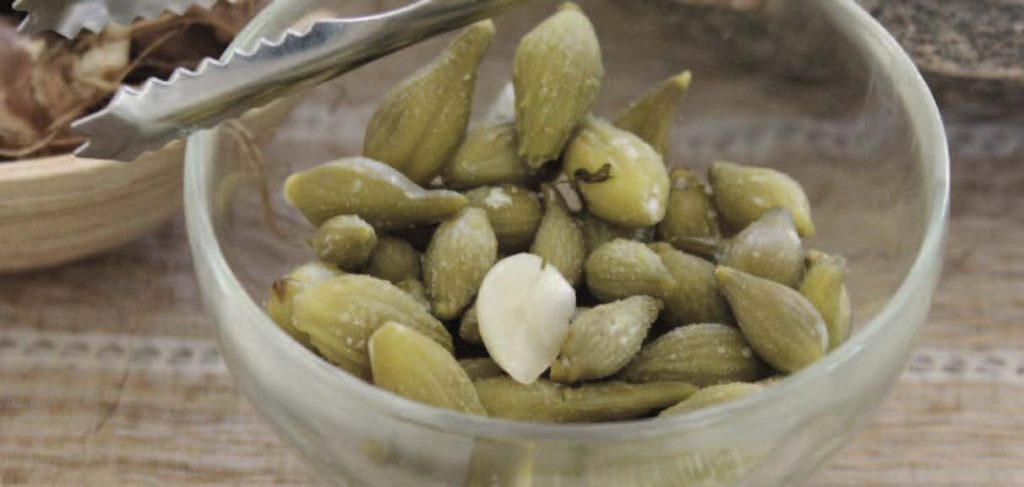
(61, 208)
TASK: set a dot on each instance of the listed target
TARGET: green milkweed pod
(420, 124)
(652, 116)
(557, 73)
(621, 178)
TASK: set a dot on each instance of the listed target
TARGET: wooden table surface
(109, 374)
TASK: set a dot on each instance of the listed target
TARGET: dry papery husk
(48, 81)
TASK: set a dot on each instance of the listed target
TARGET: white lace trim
(24, 347)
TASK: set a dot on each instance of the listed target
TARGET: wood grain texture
(61, 208)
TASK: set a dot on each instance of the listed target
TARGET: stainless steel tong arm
(137, 120)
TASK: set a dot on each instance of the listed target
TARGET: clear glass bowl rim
(926, 122)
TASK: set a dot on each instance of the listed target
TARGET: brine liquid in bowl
(815, 89)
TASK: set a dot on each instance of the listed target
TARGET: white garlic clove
(524, 308)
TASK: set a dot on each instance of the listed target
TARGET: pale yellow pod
(769, 248)
(549, 402)
(420, 124)
(559, 239)
(345, 241)
(557, 73)
(703, 354)
(653, 115)
(394, 260)
(690, 213)
(341, 313)
(513, 211)
(743, 193)
(406, 362)
(824, 285)
(621, 178)
(469, 326)
(696, 297)
(417, 290)
(623, 268)
(489, 156)
(481, 368)
(714, 395)
(597, 232)
(603, 339)
(374, 191)
(780, 324)
(282, 296)
(462, 251)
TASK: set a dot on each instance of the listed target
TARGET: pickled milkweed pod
(394, 260)
(703, 354)
(696, 297)
(556, 74)
(824, 285)
(406, 362)
(603, 339)
(690, 213)
(420, 124)
(459, 255)
(743, 193)
(281, 300)
(768, 248)
(623, 268)
(488, 156)
(548, 402)
(370, 189)
(712, 396)
(341, 313)
(780, 324)
(559, 239)
(621, 178)
(652, 116)
(513, 211)
(345, 241)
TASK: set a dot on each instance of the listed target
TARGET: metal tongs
(69, 17)
(145, 118)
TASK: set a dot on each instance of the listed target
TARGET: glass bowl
(815, 88)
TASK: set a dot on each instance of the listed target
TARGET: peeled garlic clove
(524, 308)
